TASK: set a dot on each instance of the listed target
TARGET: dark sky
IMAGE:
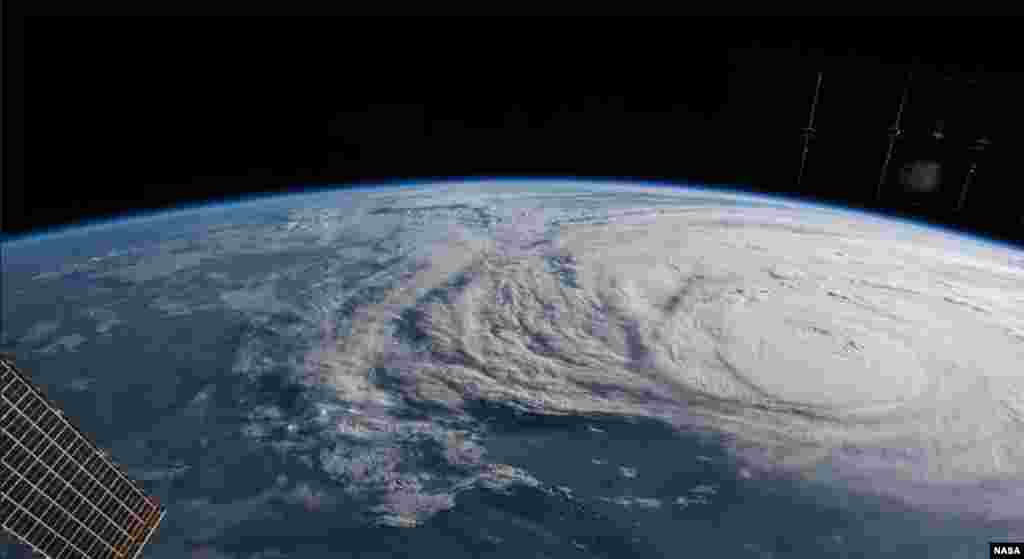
(108, 115)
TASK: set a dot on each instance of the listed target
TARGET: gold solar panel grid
(59, 493)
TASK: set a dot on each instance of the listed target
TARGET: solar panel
(59, 493)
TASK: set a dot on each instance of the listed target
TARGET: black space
(110, 115)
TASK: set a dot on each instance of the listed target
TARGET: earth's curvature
(539, 369)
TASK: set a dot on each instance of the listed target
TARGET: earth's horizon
(549, 368)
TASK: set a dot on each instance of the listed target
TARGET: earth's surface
(539, 369)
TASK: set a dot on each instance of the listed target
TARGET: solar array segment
(58, 492)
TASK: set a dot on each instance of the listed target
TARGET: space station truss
(59, 493)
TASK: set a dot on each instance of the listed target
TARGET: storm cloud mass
(874, 354)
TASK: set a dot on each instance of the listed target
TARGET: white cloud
(794, 332)
(66, 343)
(40, 331)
